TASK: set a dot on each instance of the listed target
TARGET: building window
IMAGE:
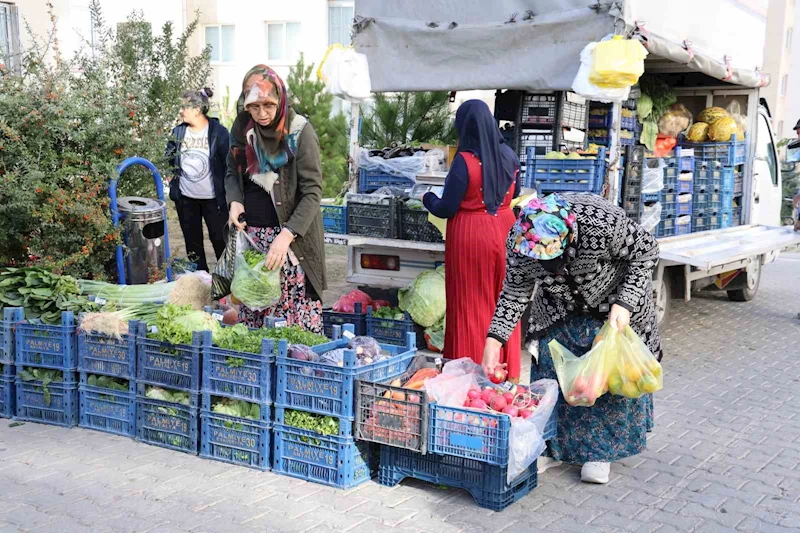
(9, 37)
(283, 41)
(220, 38)
(340, 20)
(784, 84)
(789, 38)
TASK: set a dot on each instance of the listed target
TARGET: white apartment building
(782, 19)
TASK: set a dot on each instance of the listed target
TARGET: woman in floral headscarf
(274, 188)
(591, 264)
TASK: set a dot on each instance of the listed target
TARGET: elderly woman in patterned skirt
(588, 263)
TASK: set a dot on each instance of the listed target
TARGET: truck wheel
(753, 281)
(663, 300)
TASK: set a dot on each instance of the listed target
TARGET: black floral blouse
(611, 262)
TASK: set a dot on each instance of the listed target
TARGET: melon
(723, 129)
(710, 115)
(698, 133)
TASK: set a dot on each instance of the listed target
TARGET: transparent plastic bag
(253, 284)
(653, 177)
(676, 120)
(407, 167)
(734, 109)
(584, 87)
(226, 266)
(651, 216)
(345, 73)
(526, 438)
(583, 379)
(635, 371)
(618, 63)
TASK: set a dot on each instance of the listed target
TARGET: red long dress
(475, 268)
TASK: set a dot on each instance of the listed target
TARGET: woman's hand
(279, 250)
(491, 356)
(235, 210)
(421, 197)
(619, 317)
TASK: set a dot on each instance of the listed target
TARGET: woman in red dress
(477, 205)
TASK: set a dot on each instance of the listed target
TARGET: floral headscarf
(545, 228)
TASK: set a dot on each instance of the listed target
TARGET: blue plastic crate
(165, 424)
(107, 410)
(708, 177)
(728, 179)
(244, 376)
(738, 181)
(328, 389)
(46, 346)
(334, 219)
(7, 397)
(680, 162)
(603, 141)
(736, 216)
(234, 440)
(684, 205)
(331, 318)
(726, 218)
(486, 483)
(725, 200)
(329, 460)
(58, 407)
(604, 122)
(702, 222)
(11, 317)
(479, 435)
(372, 180)
(555, 175)
(669, 203)
(729, 154)
(100, 354)
(345, 423)
(175, 366)
(388, 331)
(706, 202)
(678, 183)
(683, 225)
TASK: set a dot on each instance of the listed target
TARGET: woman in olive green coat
(274, 189)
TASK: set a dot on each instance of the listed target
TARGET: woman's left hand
(619, 317)
(279, 250)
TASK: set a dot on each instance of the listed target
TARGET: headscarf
(270, 151)
(545, 228)
(478, 133)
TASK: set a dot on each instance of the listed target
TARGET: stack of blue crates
(100, 408)
(41, 350)
(326, 390)
(175, 368)
(718, 175)
(11, 317)
(230, 375)
(676, 196)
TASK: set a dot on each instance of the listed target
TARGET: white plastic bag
(651, 216)
(407, 167)
(450, 388)
(526, 438)
(590, 91)
(653, 178)
(345, 73)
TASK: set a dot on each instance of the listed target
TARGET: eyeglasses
(269, 107)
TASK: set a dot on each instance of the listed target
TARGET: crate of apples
(509, 399)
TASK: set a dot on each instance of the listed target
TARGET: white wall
(791, 112)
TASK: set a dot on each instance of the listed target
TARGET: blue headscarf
(478, 133)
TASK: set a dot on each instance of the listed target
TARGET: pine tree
(310, 100)
(408, 118)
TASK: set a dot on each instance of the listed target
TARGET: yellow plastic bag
(583, 379)
(618, 63)
(634, 370)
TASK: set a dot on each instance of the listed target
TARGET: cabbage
(424, 299)
(198, 321)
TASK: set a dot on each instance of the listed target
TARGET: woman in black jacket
(197, 154)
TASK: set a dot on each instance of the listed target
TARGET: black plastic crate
(560, 108)
(414, 225)
(394, 416)
(376, 218)
(331, 318)
(541, 141)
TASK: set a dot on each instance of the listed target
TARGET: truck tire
(663, 300)
(753, 281)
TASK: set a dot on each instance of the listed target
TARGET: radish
(511, 411)
(474, 394)
(509, 398)
(478, 404)
(487, 395)
(525, 413)
(498, 375)
(498, 403)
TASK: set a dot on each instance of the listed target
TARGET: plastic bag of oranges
(634, 370)
(583, 379)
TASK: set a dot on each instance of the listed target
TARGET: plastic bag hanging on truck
(653, 178)
(618, 63)
(345, 73)
(526, 437)
(651, 216)
(584, 87)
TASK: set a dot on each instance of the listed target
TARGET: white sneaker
(595, 472)
(545, 463)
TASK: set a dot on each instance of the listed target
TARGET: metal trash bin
(143, 221)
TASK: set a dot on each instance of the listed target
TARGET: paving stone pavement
(724, 456)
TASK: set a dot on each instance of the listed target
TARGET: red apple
(498, 375)
(511, 411)
(474, 394)
(487, 395)
(478, 404)
(498, 403)
(509, 398)
(525, 413)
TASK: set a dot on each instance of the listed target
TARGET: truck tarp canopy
(426, 45)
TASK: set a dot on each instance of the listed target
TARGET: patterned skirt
(295, 306)
(615, 427)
